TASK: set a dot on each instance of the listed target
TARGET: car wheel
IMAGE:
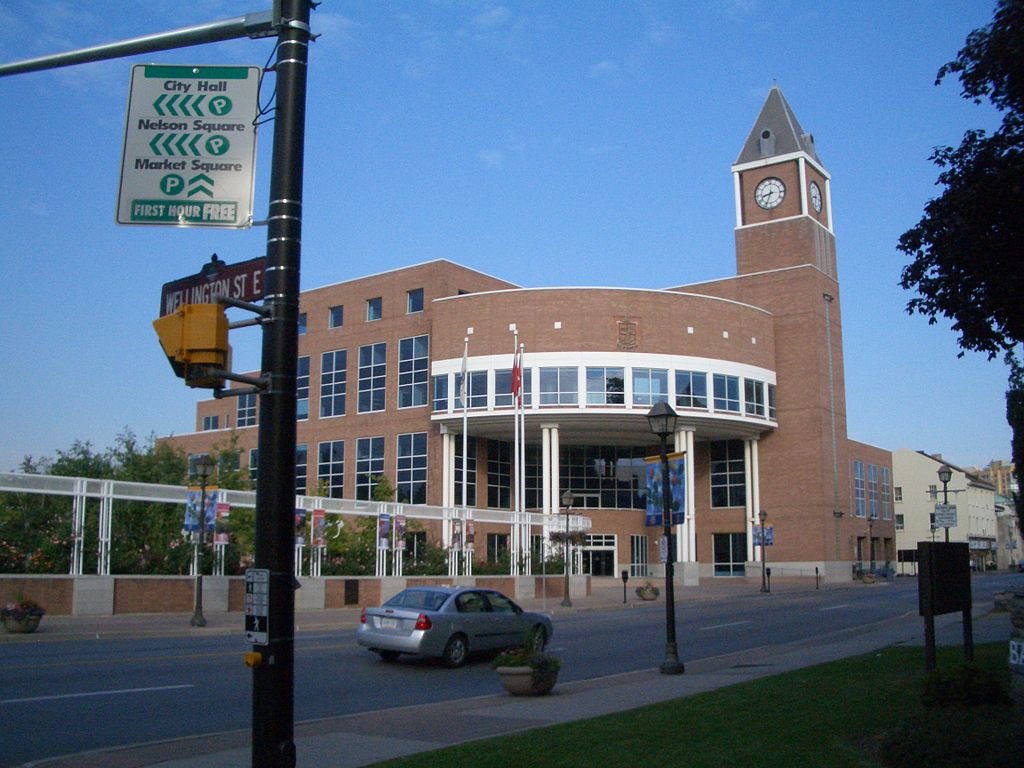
(538, 638)
(455, 652)
(388, 655)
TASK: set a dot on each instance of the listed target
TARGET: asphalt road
(70, 696)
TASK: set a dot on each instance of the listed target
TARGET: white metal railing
(82, 489)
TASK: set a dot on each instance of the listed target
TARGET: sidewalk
(358, 740)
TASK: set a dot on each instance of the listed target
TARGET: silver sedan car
(449, 623)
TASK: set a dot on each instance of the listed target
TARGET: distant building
(918, 490)
(1001, 475)
(752, 363)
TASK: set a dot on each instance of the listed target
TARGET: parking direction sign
(189, 146)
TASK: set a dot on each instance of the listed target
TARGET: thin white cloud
(605, 70)
(492, 18)
(492, 158)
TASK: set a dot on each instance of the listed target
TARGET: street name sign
(242, 281)
(189, 146)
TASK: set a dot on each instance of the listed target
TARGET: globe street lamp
(662, 420)
(945, 475)
(567, 499)
(763, 516)
(202, 469)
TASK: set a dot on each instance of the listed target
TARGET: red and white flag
(517, 375)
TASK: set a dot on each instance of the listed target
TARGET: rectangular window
(503, 387)
(413, 359)
(753, 397)
(374, 308)
(302, 389)
(638, 555)
(730, 551)
(441, 392)
(728, 474)
(499, 474)
(372, 377)
(691, 389)
(302, 323)
(245, 415)
(497, 545)
(727, 393)
(470, 473)
(333, 382)
(605, 386)
(899, 522)
(886, 493)
(859, 500)
(411, 474)
(211, 422)
(254, 465)
(330, 469)
(650, 386)
(301, 469)
(899, 493)
(873, 490)
(414, 301)
(558, 386)
(336, 317)
(369, 465)
(476, 389)
(771, 401)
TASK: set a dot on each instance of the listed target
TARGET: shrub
(954, 737)
(963, 686)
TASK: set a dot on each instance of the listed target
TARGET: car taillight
(362, 617)
(423, 622)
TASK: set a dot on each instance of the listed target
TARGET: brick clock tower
(783, 196)
(786, 263)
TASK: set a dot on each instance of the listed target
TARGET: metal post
(567, 500)
(198, 620)
(273, 704)
(671, 665)
(945, 503)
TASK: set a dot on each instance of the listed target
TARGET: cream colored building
(918, 490)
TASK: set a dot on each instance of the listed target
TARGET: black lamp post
(662, 420)
(567, 499)
(763, 516)
(202, 469)
(945, 475)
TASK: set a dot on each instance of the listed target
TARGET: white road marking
(95, 693)
(723, 626)
(835, 607)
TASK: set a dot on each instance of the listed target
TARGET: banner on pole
(655, 489)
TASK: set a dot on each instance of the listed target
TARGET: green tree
(967, 249)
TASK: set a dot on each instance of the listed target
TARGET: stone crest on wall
(629, 334)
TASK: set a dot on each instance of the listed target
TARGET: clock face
(770, 192)
(815, 197)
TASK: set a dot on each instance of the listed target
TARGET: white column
(556, 492)
(545, 468)
(755, 488)
(685, 442)
(749, 505)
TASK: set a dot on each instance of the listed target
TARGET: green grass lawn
(827, 715)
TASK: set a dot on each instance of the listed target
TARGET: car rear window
(418, 598)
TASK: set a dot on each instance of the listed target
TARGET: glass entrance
(599, 555)
(730, 554)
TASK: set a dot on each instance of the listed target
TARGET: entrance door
(730, 554)
(599, 555)
(638, 555)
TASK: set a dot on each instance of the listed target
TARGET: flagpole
(464, 396)
(521, 454)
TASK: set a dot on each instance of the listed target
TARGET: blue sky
(547, 143)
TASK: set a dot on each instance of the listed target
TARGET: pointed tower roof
(776, 132)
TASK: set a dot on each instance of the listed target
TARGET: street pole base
(198, 621)
(672, 667)
(567, 603)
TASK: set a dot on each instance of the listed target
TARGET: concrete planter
(22, 626)
(525, 681)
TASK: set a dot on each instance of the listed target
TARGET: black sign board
(943, 577)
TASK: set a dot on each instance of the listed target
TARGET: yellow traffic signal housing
(195, 340)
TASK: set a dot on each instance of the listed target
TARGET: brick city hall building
(752, 364)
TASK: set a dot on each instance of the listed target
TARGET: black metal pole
(273, 702)
(671, 665)
(198, 620)
(945, 503)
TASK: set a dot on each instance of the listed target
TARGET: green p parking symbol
(217, 145)
(172, 184)
(219, 105)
